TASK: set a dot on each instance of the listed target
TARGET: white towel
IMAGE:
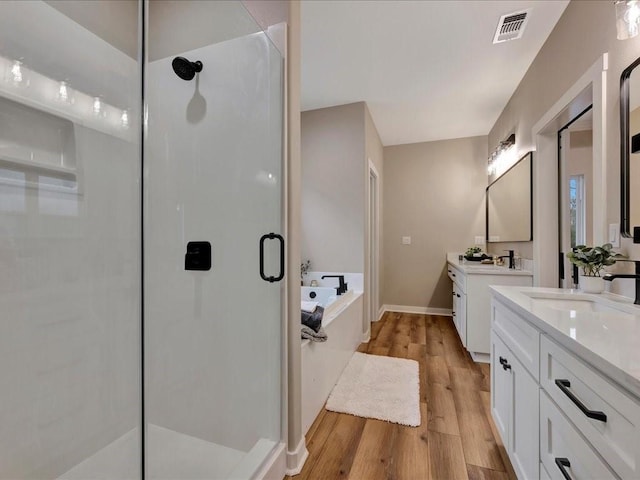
(308, 306)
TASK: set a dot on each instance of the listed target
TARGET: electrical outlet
(479, 240)
(406, 240)
(614, 234)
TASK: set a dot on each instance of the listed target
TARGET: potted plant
(475, 254)
(591, 260)
(304, 268)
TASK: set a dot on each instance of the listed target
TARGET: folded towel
(313, 320)
(309, 307)
(307, 333)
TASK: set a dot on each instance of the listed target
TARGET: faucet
(512, 264)
(610, 277)
(342, 288)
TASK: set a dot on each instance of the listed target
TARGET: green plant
(593, 259)
(471, 250)
(304, 268)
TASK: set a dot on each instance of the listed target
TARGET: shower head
(185, 69)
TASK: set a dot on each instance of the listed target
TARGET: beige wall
(114, 22)
(434, 193)
(585, 31)
(333, 188)
(207, 22)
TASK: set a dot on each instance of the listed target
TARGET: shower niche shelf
(35, 142)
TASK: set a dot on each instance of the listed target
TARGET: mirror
(630, 149)
(509, 200)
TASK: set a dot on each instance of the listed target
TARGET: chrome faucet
(512, 264)
(610, 277)
(342, 288)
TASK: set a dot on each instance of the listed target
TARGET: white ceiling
(427, 69)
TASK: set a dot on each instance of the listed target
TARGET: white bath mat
(374, 386)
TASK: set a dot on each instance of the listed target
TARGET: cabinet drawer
(582, 393)
(521, 337)
(457, 277)
(562, 447)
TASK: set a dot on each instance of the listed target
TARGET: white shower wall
(213, 173)
(70, 303)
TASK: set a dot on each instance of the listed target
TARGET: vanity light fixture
(124, 119)
(627, 18)
(16, 75)
(98, 109)
(64, 95)
(503, 156)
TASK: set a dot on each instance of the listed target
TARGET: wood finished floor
(456, 439)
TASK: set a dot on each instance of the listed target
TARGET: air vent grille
(511, 26)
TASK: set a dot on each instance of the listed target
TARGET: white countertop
(609, 341)
(479, 269)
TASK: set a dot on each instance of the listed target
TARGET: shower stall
(141, 241)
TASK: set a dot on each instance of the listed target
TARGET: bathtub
(325, 296)
(322, 363)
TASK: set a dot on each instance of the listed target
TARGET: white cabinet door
(460, 313)
(501, 400)
(525, 432)
(514, 407)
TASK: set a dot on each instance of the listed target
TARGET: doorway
(575, 192)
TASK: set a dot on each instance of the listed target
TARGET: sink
(574, 304)
(578, 302)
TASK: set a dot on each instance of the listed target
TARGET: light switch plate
(614, 234)
(406, 240)
(479, 240)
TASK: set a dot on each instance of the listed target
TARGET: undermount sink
(576, 305)
(576, 302)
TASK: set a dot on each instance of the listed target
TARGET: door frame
(590, 88)
(372, 249)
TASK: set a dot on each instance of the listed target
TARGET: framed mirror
(630, 150)
(509, 202)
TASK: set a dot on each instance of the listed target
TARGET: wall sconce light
(16, 74)
(627, 17)
(503, 156)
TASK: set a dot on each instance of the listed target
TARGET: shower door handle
(271, 278)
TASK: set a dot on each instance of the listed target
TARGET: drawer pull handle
(563, 464)
(453, 274)
(506, 367)
(503, 361)
(458, 295)
(564, 386)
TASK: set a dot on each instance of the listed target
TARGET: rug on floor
(373, 386)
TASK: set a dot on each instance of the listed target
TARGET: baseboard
(480, 357)
(421, 310)
(296, 459)
(366, 337)
(380, 313)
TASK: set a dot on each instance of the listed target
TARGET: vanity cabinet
(514, 406)
(459, 312)
(472, 301)
(558, 416)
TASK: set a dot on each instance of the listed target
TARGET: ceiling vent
(511, 26)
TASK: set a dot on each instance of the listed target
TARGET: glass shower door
(70, 236)
(213, 190)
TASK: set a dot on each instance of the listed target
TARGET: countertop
(608, 341)
(477, 268)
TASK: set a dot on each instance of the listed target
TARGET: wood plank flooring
(457, 438)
